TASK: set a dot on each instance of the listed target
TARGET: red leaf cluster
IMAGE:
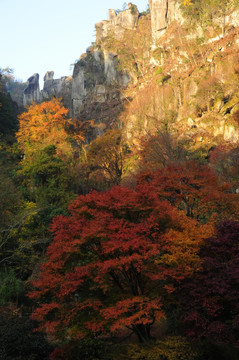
(112, 259)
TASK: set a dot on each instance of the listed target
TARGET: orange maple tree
(42, 125)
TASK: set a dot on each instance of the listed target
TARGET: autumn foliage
(111, 262)
(42, 125)
(147, 266)
(194, 188)
(211, 297)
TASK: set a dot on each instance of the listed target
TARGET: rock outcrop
(32, 91)
(87, 75)
(95, 75)
(117, 23)
(163, 12)
(61, 88)
(178, 77)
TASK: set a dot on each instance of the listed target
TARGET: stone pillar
(163, 12)
(32, 91)
(49, 76)
(158, 9)
(112, 14)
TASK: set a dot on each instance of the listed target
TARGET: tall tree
(42, 125)
(111, 261)
(194, 188)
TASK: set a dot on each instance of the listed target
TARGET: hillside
(174, 65)
(119, 215)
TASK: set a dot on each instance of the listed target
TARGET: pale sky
(43, 35)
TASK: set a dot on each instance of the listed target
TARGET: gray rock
(32, 91)
(78, 89)
(60, 88)
(94, 77)
(110, 67)
(126, 19)
(100, 93)
(49, 76)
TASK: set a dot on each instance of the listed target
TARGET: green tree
(46, 178)
(11, 288)
(47, 189)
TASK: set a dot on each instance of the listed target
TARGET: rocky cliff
(95, 76)
(117, 23)
(57, 87)
(169, 68)
(163, 13)
(97, 70)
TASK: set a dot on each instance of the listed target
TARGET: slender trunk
(166, 13)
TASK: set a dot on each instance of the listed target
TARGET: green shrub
(11, 288)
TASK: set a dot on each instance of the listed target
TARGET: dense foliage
(125, 245)
(211, 297)
(18, 340)
(122, 245)
(141, 261)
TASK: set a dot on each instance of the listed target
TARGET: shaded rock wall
(32, 91)
(95, 76)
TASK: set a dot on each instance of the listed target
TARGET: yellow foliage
(185, 245)
(187, 2)
(171, 348)
(42, 125)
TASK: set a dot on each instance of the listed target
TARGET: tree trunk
(142, 332)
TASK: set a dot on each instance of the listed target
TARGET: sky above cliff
(43, 35)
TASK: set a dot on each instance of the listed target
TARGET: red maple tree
(195, 189)
(111, 262)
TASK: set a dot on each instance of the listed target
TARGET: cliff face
(163, 12)
(169, 71)
(57, 87)
(97, 70)
(193, 91)
(88, 80)
(96, 78)
(117, 23)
